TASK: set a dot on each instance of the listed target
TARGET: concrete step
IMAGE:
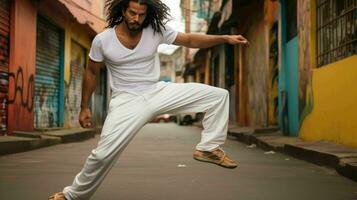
(348, 167)
(343, 159)
(269, 129)
(13, 144)
(72, 135)
(27, 134)
(25, 141)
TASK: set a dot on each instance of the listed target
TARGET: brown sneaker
(217, 156)
(57, 196)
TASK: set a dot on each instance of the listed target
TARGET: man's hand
(85, 118)
(237, 39)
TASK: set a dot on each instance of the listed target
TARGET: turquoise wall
(292, 85)
(288, 80)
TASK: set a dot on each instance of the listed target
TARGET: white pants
(129, 112)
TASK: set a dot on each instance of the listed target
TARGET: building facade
(171, 63)
(298, 72)
(44, 48)
(327, 67)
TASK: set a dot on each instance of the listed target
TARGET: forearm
(88, 86)
(205, 41)
(194, 40)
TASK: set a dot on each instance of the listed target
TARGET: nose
(136, 18)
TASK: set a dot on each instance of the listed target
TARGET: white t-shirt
(131, 70)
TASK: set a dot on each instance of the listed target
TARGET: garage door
(47, 78)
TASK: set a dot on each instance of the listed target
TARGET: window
(163, 63)
(204, 11)
(336, 30)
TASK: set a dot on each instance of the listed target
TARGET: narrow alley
(279, 73)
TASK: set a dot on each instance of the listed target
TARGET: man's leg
(127, 114)
(194, 97)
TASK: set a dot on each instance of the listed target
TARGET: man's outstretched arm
(88, 86)
(193, 40)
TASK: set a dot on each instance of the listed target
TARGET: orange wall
(23, 53)
(22, 66)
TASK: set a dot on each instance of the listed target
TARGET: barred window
(336, 30)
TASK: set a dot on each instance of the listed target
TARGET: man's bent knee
(100, 156)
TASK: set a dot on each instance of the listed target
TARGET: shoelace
(224, 153)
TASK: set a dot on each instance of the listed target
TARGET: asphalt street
(158, 165)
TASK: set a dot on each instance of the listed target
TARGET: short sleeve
(168, 35)
(96, 50)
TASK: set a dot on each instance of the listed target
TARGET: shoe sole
(213, 162)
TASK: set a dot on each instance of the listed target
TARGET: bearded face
(134, 16)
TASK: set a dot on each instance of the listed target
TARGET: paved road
(158, 165)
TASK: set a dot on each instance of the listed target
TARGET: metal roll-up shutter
(47, 79)
(4, 62)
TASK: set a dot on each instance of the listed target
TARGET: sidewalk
(25, 141)
(343, 159)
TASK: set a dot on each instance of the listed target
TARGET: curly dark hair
(157, 13)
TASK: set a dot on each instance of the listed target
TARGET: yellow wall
(76, 33)
(73, 32)
(334, 114)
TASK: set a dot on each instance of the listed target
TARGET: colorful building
(327, 69)
(43, 54)
(297, 74)
(197, 15)
(171, 63)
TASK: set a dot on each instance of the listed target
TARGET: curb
(341, 158)
(21, 144)
(348, 168)
(26, 141)
(72, 135)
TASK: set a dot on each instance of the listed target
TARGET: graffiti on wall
(273, 75)
(73, 86)
(46, 105)
(305, 68)
(20, 86)
(20, 96)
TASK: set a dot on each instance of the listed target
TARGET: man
(128, 48)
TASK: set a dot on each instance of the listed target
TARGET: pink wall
(94, 6)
